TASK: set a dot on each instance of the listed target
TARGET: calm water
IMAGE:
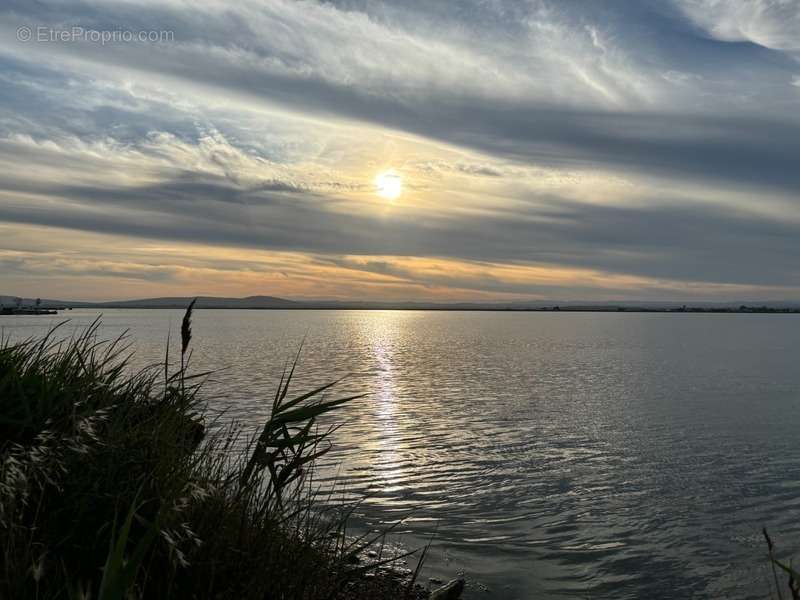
(555, 455)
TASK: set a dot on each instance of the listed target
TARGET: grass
(792, 576)
(113, 486)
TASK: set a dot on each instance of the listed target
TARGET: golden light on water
(389, 184)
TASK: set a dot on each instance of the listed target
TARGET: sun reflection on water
(383, 333)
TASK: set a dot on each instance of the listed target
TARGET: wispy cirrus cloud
(632, 141)
(773, 24)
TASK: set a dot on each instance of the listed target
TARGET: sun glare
(389, 185)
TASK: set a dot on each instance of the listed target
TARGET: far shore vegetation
(114, 486)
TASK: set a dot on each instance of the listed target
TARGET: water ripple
(603, 456)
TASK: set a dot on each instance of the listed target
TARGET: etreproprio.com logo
(42, 34)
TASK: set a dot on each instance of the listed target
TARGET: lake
(595, 455)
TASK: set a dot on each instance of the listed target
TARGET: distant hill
(167, 302)
(202, 302)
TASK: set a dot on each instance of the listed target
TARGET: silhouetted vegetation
(112, 486)
(788, 574)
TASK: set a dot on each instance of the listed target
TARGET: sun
(389, 184)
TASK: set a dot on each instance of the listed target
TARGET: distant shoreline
(788, 311)
(26, 305)
(688, 310)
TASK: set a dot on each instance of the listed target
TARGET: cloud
(261, 125)
(682, 241)
(773, 24)
(131, 267)
(562, 89)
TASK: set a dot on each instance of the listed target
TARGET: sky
(483, 150)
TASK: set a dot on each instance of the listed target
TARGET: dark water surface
(555, 455)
